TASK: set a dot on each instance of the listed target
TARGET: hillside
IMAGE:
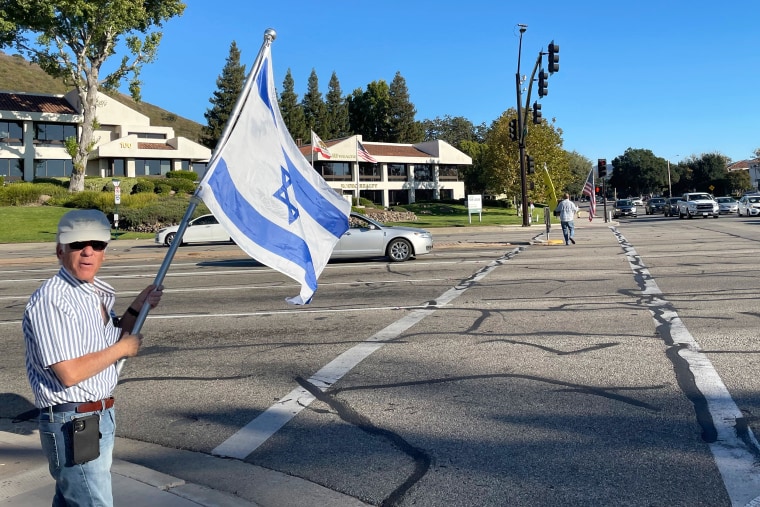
(19, 75)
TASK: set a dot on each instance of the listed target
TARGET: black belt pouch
(85, 438)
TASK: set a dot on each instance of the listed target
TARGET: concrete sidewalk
(184, 482)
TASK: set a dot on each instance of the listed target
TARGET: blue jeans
(568, 230)
(88, 484)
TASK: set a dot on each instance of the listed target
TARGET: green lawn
(36, 224)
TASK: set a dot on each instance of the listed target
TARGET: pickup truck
(698, 204)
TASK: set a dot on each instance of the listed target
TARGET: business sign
(475, 205)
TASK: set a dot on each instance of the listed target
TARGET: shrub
(143, 185)
(90, 199)
(185, 175)
(181, 185)
(163, 188)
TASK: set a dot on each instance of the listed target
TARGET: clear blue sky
(678, 77)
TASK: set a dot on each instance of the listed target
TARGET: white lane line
(259, 430)
(735, 461)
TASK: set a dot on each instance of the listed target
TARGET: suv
(671, 207)
(624, 208)
(698, 204)
(655, 205)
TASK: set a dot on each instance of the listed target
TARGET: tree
(314, 108)
(336, 125)
(639, 172)
(453, 130)
(368, 111)
(709, 169)
(475, 176)
(229, 86)
(75, 38)
(544, 144)
(291, 110)
(579, 167)
(403, 127)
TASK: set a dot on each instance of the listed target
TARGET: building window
(117, 167)
(398, 172)
(200, 167)
(148, 135)
(334, 171)
(53, 168)
(12, 169)
(398, 197)
(53, 134)
(152, 166)
(423, 172)
(369, 172)
(448, 172)
(11, 132)
(424, 194)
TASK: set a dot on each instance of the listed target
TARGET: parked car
(365, 238)
(637, 201)
(727, 205)
(624, 208)
(671, 207)
(655, 205)
(749, 206)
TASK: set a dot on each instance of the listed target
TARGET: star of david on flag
(263, 191)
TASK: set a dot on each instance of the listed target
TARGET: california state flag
(319, 146)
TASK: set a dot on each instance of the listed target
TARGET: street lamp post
(670, 188)
(117, 201)
(521, 136)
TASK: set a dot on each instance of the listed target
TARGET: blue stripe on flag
(263, 81)
(314, 203)
(259, 229)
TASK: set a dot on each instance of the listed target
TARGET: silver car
(367, 238)
(749, 206)
(364, 238)
(727, 205)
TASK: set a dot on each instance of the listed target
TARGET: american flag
(590, 191)
(364, 154)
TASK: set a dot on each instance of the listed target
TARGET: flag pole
(269, 36)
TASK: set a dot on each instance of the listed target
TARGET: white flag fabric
(260, 187)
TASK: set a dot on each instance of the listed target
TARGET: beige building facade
(34, 127)
(403, 173)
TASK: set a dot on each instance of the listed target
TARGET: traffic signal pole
(522, 114)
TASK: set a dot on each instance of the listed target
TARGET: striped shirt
(64, 320)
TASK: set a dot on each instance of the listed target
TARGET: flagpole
(269, 36)
(356, 153)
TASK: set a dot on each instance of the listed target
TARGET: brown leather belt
(87, 406)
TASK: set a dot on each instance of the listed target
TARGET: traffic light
(513, 129)
(601, 166)
(543, 84)
(553, 58)
(536, 113)
(531, 165)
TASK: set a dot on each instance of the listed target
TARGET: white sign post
(116, 201)
(475, 205)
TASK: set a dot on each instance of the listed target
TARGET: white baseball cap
(83, 225)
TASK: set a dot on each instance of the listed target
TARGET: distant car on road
(654, 205)
(749, 206)
(727, 205)
(624, 208)
(671, 207)
(637, 201)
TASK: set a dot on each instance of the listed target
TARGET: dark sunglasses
(98, 246)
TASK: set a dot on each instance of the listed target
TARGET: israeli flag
(260, 187)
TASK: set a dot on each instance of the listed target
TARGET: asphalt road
(499, 370)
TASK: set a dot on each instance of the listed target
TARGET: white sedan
(364, 238)
(749, 206)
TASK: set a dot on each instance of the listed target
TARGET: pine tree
(336, 125)
(291, 110)
(314, 108)
(403, 127)
(229, 86)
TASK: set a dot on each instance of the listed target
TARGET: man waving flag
(264, 192)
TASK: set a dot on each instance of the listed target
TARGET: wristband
(132, 311)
